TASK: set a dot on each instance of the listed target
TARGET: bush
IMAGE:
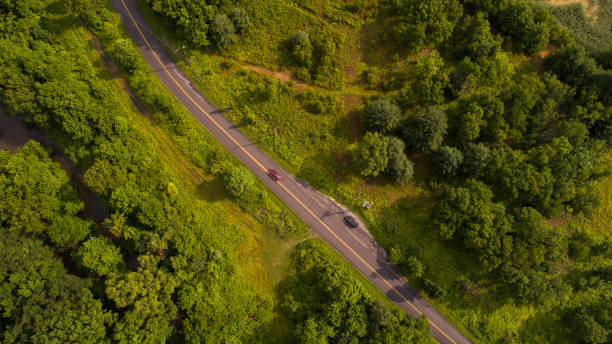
(396, 256)
(223, 32)
(381, 115)
(370, 76)
(432, 289)
(301, 48)
(239, 18)
(414, 267)
(318, 103)
(124, 53)
(239, 181)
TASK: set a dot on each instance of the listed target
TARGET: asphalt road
(323, 214)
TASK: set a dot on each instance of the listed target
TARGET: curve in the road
(439, 324)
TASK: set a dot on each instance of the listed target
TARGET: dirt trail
(282, 76)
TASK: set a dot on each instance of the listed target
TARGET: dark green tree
(480, 41)
(424, 131)
(38, 197)
(223, 32)
(448, 161)
(468, 213)
(572, 65)
(381, 115)
(427, 23)
(475, 159)
(400, 168)
(429, 82)
(64, 312)
(193, 19)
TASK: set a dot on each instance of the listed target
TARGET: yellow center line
(263, 168)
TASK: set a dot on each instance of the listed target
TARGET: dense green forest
(479, 130)
(180, 258)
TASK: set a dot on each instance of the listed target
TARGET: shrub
(318, 103)
(239, 18)
(239, 181)
(432, 289)
(301, 48)
(370, 76)
(124, 53)
(414, 266)
(396, 256)
(381, 115)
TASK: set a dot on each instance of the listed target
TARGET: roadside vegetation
(193, 248)
(478, 130)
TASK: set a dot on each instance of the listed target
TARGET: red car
(274, 174)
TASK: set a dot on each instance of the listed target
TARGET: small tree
(239, 18)
(301, 48)
(381, 115)
(448, 161)
(400, 168)
(425, 130)
(223, 32)
(372, 154)
(414, 266)
(239, 181)
(396, 256)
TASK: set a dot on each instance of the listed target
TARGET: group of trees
(166, 269)
(40, 301)
(327, 304)
(430, 23)
(202, 22)
(514, 144)
(315, 59)
(184, 250)
(378, 153)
